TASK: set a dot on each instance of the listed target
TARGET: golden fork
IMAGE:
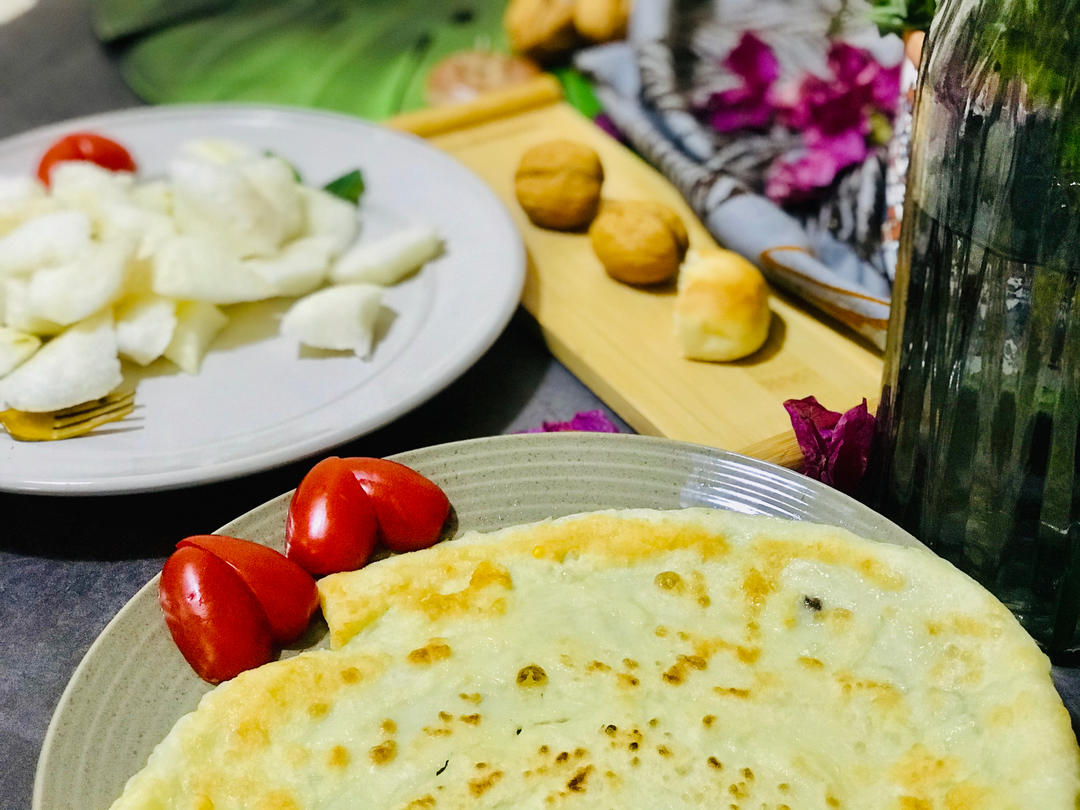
(69, 422)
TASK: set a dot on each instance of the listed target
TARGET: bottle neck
(996, 145)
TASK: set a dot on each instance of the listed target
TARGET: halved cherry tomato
(331, 523)
(285, 591)
(86, 146)
(212, 615)
(409, 508)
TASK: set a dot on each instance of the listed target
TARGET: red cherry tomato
(212, 615)
(86, 146)
(410, 508)
(331, 523)
(285, 591)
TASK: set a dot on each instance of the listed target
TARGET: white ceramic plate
(258, 402)
(133, 685)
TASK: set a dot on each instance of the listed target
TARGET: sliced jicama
(330, 216)
(197, 324)
(218, 150)
(21, 188)
(86, 186)
(146, 228)
(199, 269)
(15, 348)
(18, 313)
(341, 318)
(387, 260)
(76, 366)
(220, 202)
(301, 266)
(276, 181)
(144, 327)
(75, 290)
(51, 238)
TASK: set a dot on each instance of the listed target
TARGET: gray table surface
(68, 564)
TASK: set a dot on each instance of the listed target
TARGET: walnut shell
(601, 20)
(639, 242)
(558, 184)
(540, 29)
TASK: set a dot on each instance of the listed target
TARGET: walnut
(601, 20)
(541, 29)
(558, 184)
(639, 242)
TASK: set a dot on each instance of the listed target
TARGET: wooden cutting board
(619, 340)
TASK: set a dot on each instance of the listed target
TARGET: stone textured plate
(133, 685)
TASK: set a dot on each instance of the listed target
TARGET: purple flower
(815, 166)
(836, 447)
(591, 421)
(747, 106)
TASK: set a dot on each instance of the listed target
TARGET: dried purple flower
(836, 447)
(591, 421)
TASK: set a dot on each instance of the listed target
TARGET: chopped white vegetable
(327, 215)
(15, 347)
(218, 150)
(387, 260)
(220, 202)
(144, 327)
(197, 324)
(154, 195)
(86, 186)
(275, 180)
(18, 189)
(301, 266)
(51, 238)
(73, 291)
(18, 313)
(199, 269)
(148, 229)
(77, 366)
(341, 318)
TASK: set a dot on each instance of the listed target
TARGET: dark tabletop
(67, 565)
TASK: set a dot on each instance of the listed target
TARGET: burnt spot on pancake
(812, 602)
(577, 781)
(435, 650)
(668, 581)
(423, 803)
(389, 726)
(531, 675)
(715, 764)
(474, 697)
(338, 756)
(350, 675)
(482, 784)
(383, 753)
(471, 719)
(317, 710)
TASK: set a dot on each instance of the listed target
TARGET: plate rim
(270, 458)
(446, 451)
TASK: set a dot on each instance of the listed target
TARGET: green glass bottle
(978, 446)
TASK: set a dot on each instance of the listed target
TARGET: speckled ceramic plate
(258, 401)
(133, 684)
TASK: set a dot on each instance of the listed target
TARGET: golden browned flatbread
(639, 659)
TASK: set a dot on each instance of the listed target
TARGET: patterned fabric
(830, 252)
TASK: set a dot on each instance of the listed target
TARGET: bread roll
(722, 307)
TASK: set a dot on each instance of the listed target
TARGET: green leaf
(365, 57)
(578, 91)
(348, 187)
